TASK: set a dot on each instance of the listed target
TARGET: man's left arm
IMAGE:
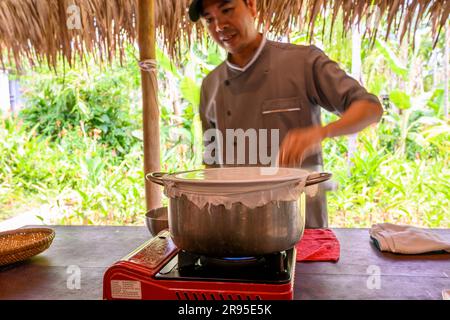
(334, 90)
(360, 115)
(301, 143)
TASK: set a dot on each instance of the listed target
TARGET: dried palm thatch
(43, 30)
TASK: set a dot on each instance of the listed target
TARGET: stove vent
(198, 295)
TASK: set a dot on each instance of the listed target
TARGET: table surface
(354, 276)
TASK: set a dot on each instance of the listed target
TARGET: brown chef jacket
(283, 87)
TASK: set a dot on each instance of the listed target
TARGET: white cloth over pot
(247, 185)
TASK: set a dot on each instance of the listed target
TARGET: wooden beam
(147, 43)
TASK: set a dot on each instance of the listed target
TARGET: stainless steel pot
(157, 220)
(239, 231)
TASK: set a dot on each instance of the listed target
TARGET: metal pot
(239, 231)
(157, 220)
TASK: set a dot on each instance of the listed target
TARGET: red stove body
(151, 273)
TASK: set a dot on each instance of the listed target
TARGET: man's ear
(252, 6)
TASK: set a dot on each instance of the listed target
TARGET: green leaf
(83, 195)
(215, 56)
(138, 134)
(83, 108)
(394, 62)
(190, 91)
(105, 118)
(165, 63)
(401, 99)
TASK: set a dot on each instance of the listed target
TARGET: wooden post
(446, 68)
(146, 39)
(357, 74)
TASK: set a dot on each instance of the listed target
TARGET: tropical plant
(103, 102)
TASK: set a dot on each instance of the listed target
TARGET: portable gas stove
(158, 270)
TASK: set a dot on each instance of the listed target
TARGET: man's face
(231, 23)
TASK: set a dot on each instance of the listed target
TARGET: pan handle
(156, 177)
(316, 178)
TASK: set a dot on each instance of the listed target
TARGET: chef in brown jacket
(270, 85)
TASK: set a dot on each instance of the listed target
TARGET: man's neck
(242, 58)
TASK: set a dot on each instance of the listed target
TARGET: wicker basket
(21, 244)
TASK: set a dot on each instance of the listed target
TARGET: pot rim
(163, 178)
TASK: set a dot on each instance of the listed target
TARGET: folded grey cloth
(407, 239)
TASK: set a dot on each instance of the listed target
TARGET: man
(270, 85)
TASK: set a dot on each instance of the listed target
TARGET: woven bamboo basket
(21, 244)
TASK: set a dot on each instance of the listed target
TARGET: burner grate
(272, 269)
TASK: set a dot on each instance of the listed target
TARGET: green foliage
(436, 101)
(384, 187)
(394, 62)
(401, 99)
(181, 131)
(190, 91)
(406, 133)
(80, 178)
(100, 101)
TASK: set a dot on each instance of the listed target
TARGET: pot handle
(316, 178)
(156, 177)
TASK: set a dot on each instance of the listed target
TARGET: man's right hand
(300, 144)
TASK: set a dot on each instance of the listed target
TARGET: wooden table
(93, 249)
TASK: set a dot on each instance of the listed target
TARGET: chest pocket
(282, 114)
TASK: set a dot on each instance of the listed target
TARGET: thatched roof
(38, 29)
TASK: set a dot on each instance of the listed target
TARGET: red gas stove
(158, 270)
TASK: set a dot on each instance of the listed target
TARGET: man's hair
(201, 7)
